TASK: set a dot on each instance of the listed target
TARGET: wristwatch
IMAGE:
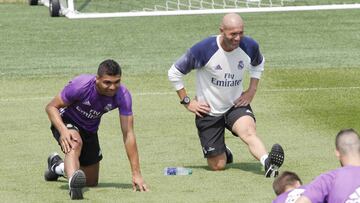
(185, 101)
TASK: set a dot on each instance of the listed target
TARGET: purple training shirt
(86, 105)
(290, 196)
(339, 185)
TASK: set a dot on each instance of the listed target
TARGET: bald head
(231, 20)
(232, 30)
(348, 142)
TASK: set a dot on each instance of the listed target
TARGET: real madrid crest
(241, 65)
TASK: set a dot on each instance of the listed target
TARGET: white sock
(70, 181)
(263, 158)
(60, 169)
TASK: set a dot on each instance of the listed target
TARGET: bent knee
(217, 166)
(77, 145)
(217, 163)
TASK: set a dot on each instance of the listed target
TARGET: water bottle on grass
(172, 171)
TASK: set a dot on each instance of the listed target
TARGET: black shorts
(90, 152)
(211, 129)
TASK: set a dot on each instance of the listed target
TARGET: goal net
(74, 9)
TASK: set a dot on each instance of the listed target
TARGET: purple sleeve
(279, 199)
(125, 105)
(71, 91)
(318, 190)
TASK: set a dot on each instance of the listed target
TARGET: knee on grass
(217, 166)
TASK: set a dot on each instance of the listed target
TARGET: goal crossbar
(73, 14)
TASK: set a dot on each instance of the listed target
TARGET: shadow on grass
(102, 185)
(115, 185)
(255, 168)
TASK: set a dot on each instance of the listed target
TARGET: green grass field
(309, 91)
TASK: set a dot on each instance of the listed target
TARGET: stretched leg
(245, 128)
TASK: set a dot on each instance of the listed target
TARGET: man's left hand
(139, 184)
(245, 98)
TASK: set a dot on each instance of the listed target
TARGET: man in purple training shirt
(75, 117)
(288, 187)
(342, 184)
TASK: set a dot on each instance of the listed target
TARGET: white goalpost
(184, 7)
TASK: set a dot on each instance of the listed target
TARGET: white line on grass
(14, 99)
(309, 89)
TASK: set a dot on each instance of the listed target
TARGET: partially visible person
(75, 115)
(341, 185)
(288, 187)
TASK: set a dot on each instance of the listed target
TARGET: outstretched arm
(52, 109)
(129, 139)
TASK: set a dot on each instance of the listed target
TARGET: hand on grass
(139, 184)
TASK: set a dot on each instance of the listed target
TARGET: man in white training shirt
(220, 100)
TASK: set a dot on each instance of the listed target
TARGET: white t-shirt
(219, 73)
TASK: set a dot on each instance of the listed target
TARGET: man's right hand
(199, 108)
(67, 140)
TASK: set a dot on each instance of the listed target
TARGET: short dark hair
(286, 178)
(349, 143)
(109, 67)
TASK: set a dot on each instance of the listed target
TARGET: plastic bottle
(171, 171)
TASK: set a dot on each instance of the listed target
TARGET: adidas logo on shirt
(87, 103)
(218, 67)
